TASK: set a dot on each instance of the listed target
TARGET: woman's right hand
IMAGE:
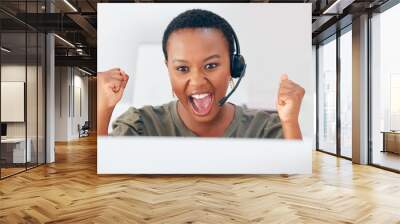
(110, 88)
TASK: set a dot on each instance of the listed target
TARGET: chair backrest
(86, 125)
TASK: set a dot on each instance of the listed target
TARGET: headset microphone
(225, 98)
(238, 68)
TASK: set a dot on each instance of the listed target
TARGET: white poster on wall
(12, 101)
(274, 39)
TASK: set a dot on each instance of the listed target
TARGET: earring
(231, 83)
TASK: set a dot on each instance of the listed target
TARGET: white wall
(270, 49)
(68, 83)
(33, 126)
(61, 103)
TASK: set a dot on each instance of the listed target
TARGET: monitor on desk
(3, 130)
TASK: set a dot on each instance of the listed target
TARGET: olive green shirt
(164, 121)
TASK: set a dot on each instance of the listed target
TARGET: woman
(198, 46)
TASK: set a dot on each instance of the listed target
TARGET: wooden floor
(387, 159)
(5, 172)
(8, 171)
(70, 191)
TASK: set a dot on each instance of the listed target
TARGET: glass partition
(31, 99)
(13, 95)
(22, 77)
(41, 109)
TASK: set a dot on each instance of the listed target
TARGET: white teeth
(200, 96)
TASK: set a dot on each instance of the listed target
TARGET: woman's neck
(213, 128)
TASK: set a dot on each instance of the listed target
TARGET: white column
(50, 92)
(360, 90)
(50, 98)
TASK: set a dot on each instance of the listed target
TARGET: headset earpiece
(238, 68)
(237, 65)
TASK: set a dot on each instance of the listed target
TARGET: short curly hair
(198, 18)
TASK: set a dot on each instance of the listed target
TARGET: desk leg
(384, 142)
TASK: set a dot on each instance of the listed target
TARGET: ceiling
(76, 22)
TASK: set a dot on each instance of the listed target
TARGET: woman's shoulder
(135, 120)
(259, 123)
(250, 114)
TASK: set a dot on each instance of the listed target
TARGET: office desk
(391, 141)
(13, 150)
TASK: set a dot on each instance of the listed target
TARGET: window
(385, 89)
(327, 96)
(346, 93)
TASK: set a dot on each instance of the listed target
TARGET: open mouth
(201, 103)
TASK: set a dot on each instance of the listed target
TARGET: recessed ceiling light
(5, 50)
(337, 7)
(70, 5)
(64, 40)
(84, 71)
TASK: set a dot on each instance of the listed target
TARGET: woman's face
(199, 69)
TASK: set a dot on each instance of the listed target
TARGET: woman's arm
(110, 88)
(288, 104)
(291, 131)
(103, 120)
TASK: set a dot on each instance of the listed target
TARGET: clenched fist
(290, 96)
(110, 88)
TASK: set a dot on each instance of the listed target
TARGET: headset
(238, 68)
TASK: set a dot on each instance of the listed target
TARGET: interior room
(48, 102)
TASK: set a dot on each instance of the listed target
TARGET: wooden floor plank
(70, 191)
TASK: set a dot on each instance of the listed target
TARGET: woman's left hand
(288, 104)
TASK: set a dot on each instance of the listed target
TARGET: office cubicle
(22, 77)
